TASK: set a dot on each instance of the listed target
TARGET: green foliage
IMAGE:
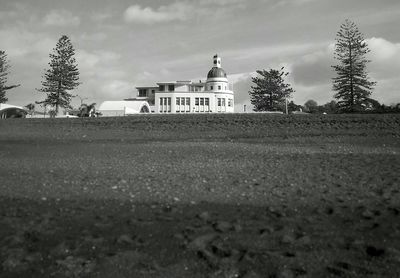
(62, 76)
(311, 106)
(87, 110)
(270, 90)
(4, 72)
(352, 85)
(329, 107)
(294, 107)
(31, 108)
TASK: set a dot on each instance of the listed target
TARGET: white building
(213, 96)
(123, 108)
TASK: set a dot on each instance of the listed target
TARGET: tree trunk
(351, 78)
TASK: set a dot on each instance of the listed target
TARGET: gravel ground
(201, 196)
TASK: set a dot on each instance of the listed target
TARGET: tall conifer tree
(62, 76)
(4, 72)
(270, 90)
(352, 84)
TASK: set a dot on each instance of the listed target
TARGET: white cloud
(221, 2)
(178, 11)
(61, 18)
(100, 16)
(93, 37)
(385, 58)
(314, 68)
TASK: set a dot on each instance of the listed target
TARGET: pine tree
(62, 76)
(352, 83)
(270, 90)
(4, 72)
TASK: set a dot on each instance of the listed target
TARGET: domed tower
(216, 77)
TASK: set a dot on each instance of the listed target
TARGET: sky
(122, 44)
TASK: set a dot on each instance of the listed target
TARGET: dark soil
(201, 196)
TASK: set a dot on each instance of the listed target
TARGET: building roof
(147, 87)
(216, 72)
(123, 105)
(6, 106)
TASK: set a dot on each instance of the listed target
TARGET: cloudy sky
(124, 43)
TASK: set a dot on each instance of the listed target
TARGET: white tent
(4, 106)
(12, 111)
(123, 108)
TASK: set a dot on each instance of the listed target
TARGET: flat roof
(146, 87)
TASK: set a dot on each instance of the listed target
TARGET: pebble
(125, 239)
(251, 274)
(205, 216)
(304, 240)
(286, 273)
(201, 242)
(288, 239)
(223, 226)
(266, 230)
(367, 214)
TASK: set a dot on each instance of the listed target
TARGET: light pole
(286, 105)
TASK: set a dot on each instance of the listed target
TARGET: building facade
(211, 96)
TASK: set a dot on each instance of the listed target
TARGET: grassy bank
(242, 195)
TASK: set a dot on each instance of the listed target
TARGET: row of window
(171, 88)
(165, 104)
(221, 102)
(201, 104)
(183, 104)
(219, 87)
(143, 92)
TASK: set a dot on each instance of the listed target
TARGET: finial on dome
(217, 61)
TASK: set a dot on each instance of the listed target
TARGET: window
(171, 88)
(201, 101)
(165, 104)
(187, 104)
(219, 88)
(219, 102)
(177, 106)
(211, 88)
(207, 104)
(196, 104)
(230, 102)
(162, 88)
(223, 102)
(142, 93)
(153, 92)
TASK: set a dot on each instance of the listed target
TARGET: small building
(12, 111)
(212, 96)
(123, 108)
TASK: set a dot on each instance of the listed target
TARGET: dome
(216, 72)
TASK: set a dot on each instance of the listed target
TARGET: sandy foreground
(201, 196)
